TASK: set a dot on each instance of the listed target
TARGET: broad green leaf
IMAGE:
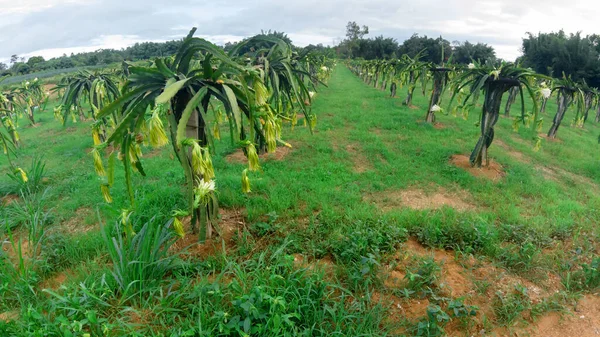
(170, 91)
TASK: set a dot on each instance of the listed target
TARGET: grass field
(369, 227)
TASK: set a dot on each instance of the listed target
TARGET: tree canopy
(574, 55)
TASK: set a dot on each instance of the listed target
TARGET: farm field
(373, 225)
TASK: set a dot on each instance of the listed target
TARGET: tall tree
(467, 52)
(434, 48)
(556, 53)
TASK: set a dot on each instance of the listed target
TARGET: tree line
(139, 51)
(434, 50)
(550, 54)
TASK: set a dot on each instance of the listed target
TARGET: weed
(140, 261)
(421, 277)
(433, 325)
(462, 312)
(587, 277)
(519, 259)
(508, 308)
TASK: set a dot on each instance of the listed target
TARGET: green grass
(324, 200)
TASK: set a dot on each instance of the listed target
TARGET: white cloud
(56, 26)
(101, 42)
(27, 6)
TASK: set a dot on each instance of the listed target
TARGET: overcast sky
(53, 27)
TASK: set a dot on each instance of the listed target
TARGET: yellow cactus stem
(294, 119)
(58, 113)
(245, 182)
(540, 124)
(253, 164)
(158, 137)
(96, 135)
(465, 114)
(270, 136)
(22, 173)
(455, 111)
(261, 93)
(98, 166)
(515, 124)
(313, 121)
(106, 193)
(135, 152)
(126, 221)
(538, 144)
(219, 116)
(527, 119)
(216, 131)
(197, 160)
(209, 171)
(178, 227)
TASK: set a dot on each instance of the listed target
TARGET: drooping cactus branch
(440, 79)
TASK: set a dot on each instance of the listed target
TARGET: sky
(52, 27)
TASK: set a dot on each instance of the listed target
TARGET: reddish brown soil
(231, 221)
(9, 199)
(583, 322)
(493, 171)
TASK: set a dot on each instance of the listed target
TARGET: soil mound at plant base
(493, 171)
(230, 223)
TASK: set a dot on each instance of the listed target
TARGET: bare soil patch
(557, 174)
(359, 160)
(493, 171)
(454, 281)
(9, 316)
(231, 221)
(439, 126)
(519, 156)
(460, 278)
(584, 321)
(48, 88)
(549, 173)
(9, 199)
(76, 224)
(56, 281)
(421, 200)
(376, 131)
(238, 157)
(550, 139)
